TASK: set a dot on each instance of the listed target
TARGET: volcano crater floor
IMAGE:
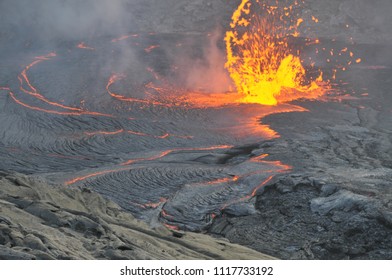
(305, 180)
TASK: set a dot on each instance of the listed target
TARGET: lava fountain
(261, 57)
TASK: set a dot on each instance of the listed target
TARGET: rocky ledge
(38, 221)
(300, 217)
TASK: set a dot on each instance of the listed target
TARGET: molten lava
(262, 62)
(117, 77)
(120, 131)
(82, 45)
(27, 88)
(160, 155)
(151, 48)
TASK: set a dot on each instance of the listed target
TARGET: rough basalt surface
(38, 221)
(337, 201)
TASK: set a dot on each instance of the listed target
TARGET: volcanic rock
(38, 221)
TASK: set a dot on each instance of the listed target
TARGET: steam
(207, 72)
(49, 20)
(52, 23)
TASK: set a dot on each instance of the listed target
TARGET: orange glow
(165, 214)
(283, 167)
(95, 174)
(124, 37)
(153, 73)
(82, 45)
(120, 131)
(259, 158)
(210, 100)
(39, 59)
(138, 133)
(53, 111)
(223, 180)
(165, 153)
(261, 185)
(156, 204)
(105, 132)
(260, 60)
(171, 227)
(117, 77)
(151, 48)
(136, 160)
(32, 91)
(253, 194)
(158, 156)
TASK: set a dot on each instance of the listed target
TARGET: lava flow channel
(159, 155)
(211, 199)
(120, 131)
(82, 45)
(117, 77)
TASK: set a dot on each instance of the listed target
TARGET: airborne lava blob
(261, 59)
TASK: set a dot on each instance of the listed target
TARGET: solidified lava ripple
(67, 119)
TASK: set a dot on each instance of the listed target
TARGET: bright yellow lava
(260, 60)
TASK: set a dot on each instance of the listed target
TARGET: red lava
(82, 178)
(156, 204)
(136, 160)
(151, 48)
(120, 131)
(253, 194)
(82, 45)
(124, 37)
(117, 77)
(32, 91)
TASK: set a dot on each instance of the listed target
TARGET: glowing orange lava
(104, 132)
(165, 153)
(255, 190)
(151, 48)
(136, 160)
(223, 180)
(82, 178)
(82, 45)
(124, 37)
(260, 59)
(155, 204)
(253, 194)
(117, 77)
(171, 227)
(120, 131)
(27, 87)
(35, 108)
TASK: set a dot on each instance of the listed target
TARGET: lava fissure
(23, 78)
(142, 159)
(117, 77)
